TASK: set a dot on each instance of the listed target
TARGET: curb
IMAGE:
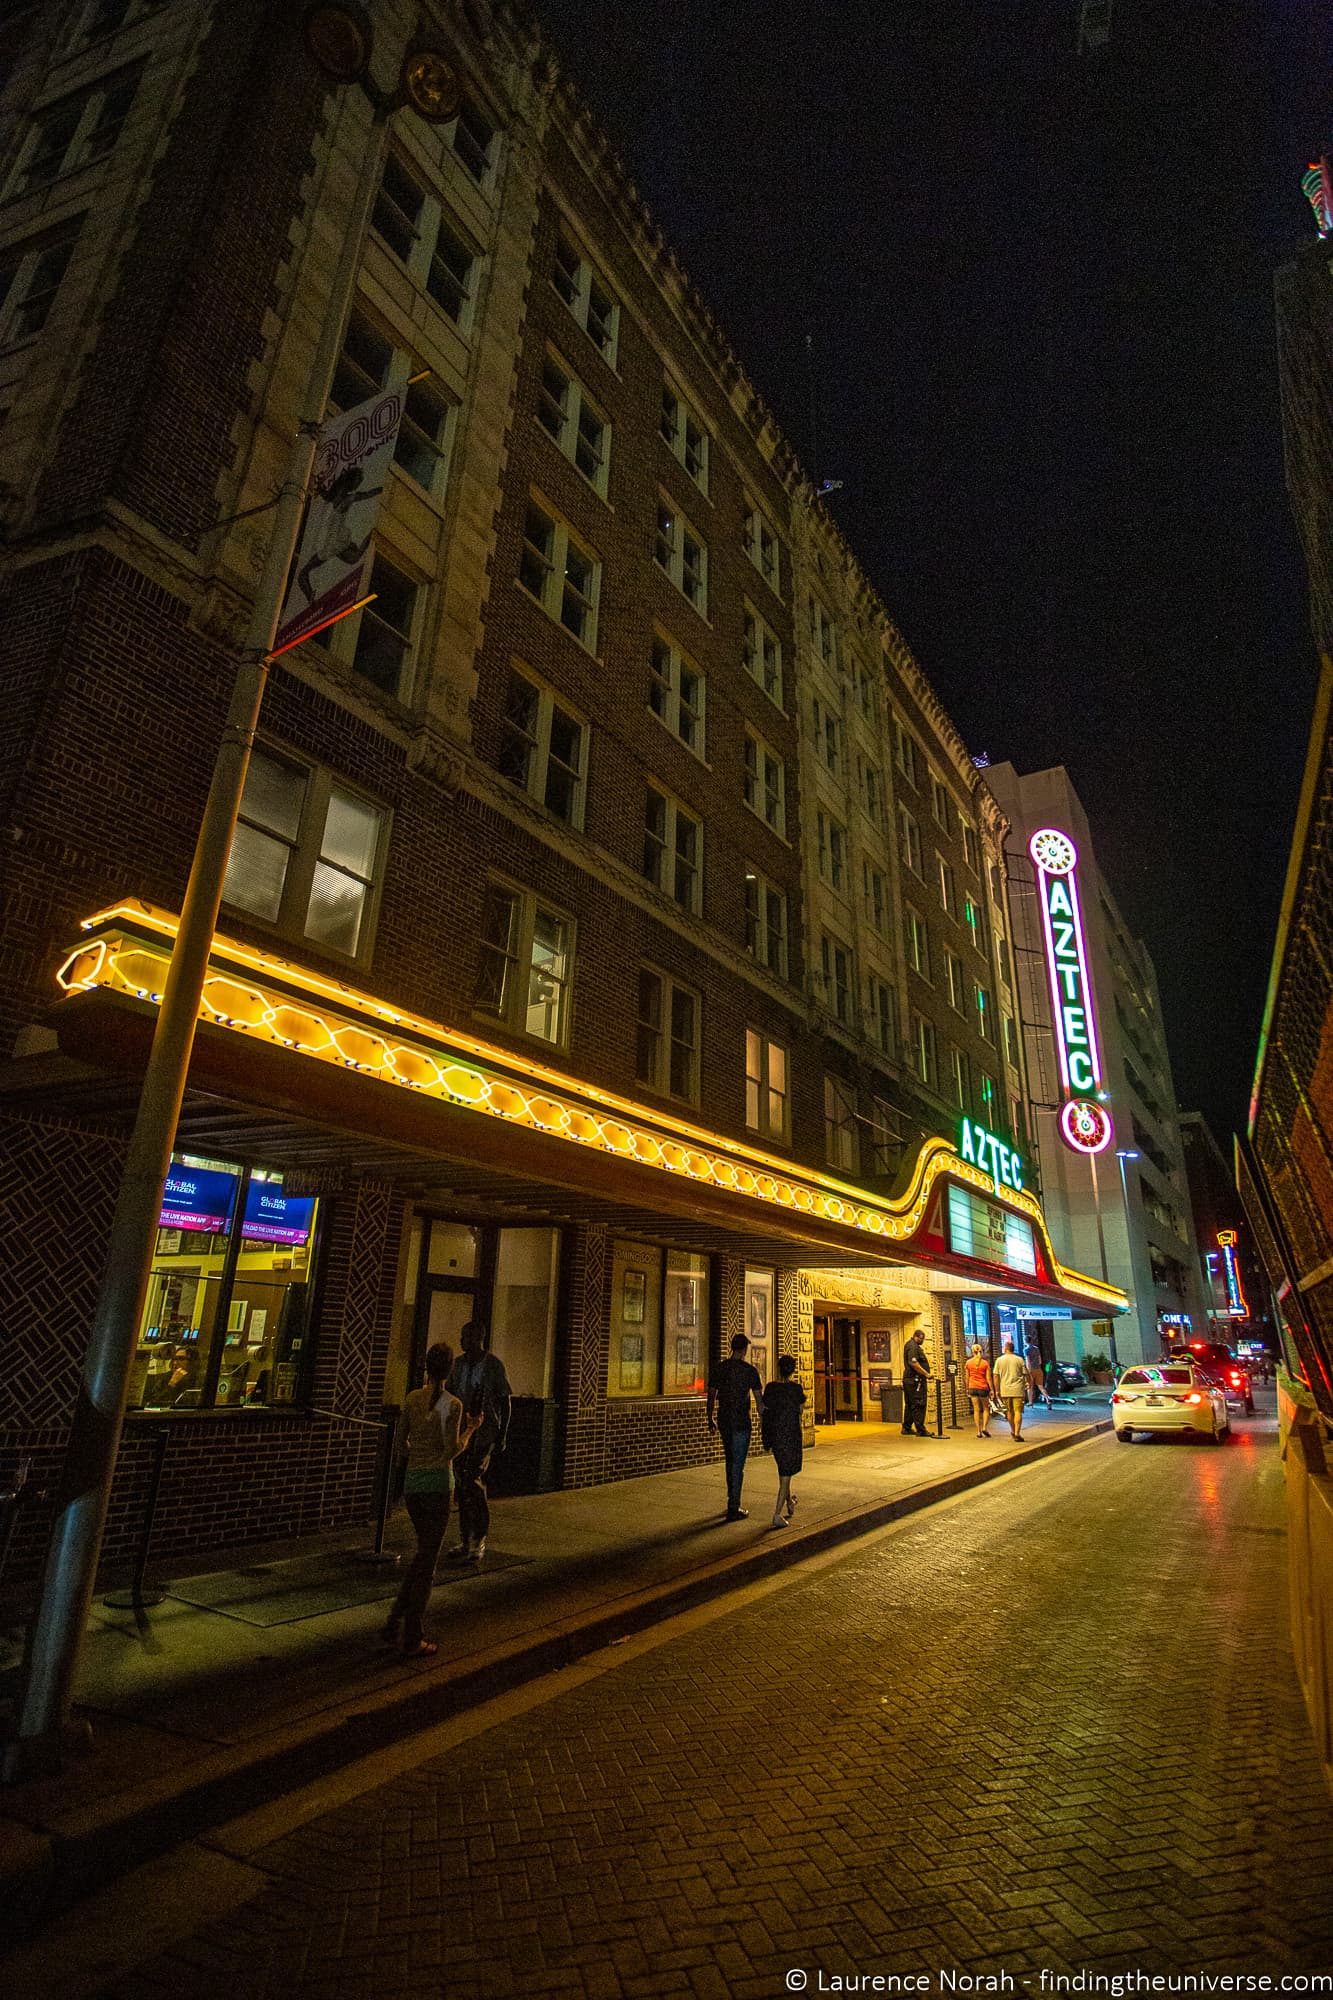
(46, 1869)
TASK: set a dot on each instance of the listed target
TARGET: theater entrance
(839, 1397)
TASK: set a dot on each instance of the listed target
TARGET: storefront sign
(274, 1217)
(1042, 1312)
(1085, 1125)
(984, 1150)
(988, 1233)
(351, 466)
(197, 1198)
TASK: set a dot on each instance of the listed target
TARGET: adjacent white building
(1121, 1212)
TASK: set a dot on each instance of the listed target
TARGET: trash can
(891, 1402)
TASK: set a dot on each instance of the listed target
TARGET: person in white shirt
(432, 1430)
(1010, 1376)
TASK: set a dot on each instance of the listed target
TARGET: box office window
(227, 1320)
(659, 1321)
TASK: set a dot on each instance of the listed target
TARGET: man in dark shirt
(916, 1374)
(730, 1388)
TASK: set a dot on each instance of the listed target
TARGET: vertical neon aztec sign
(1236, 1305)
(1085, 1124)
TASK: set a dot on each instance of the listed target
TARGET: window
(866, 694)
(885, 1143)
(543, 747)
(587, 298)
(307, 854)
(905, 752)
(685, 435)
(836, 960)
(876, 899)
(1002, 949)
(676, 692)
(872, 791)
(30, 277)
(918, 943)
(925, 1053)
(227, 1308)
(766, 1094)
(673, 847)
(415, 226)
(986, 1099)
(972, 918)
(472, 137)
(104, 17)
(832, 850)
(960, 1078)
(523, 968)
(568, 413)
(666, 1046)
(841, 1148)
(765, 923)
(882, 1016)
(939, 800)
(765, 782)
(1011, 1041)
(763, 547)
(828, 736)
(761, 653)
(370, 363)
(75, 131)
(682, 554)
(955, 981)
(563, 576)
(948, 886)
(382, 648)
(823, 635)
(909, 841)
(971, 846)
(985, 1014)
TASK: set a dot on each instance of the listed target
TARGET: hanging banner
(351, 465)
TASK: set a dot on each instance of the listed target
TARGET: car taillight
(1194, 1397)
(1116, 1397)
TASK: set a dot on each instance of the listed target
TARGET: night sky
(1039, 290)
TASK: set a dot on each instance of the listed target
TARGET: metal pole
(134, 1599)
(55, 1636)
(939, 1408)
(953, 1403)
(1101, 1248)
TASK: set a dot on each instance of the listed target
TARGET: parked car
(1221, 1363)
(1068, 1375)
(1169, 1396)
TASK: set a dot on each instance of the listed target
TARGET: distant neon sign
(1085, 1124)
(1236, 1305)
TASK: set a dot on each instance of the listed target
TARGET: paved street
(1050, 1725)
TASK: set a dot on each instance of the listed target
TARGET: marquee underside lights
(1085, 1124)
(267, 1000)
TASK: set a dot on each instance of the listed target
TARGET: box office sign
(351, 465)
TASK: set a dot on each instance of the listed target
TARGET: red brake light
(1194, 1397)
(1116, 1396)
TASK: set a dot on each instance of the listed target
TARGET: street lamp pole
(56, 1632)
(1101, 1249)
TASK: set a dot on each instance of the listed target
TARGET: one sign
(197, 1198)
(1043, 1312)
(984, 1150)
(351, 466)
(1085, 1125)
(273, 1217)
(1236, 1305)
(990, 1234)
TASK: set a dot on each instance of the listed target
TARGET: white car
(1169, 1396)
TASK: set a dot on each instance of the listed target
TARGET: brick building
(537, 994)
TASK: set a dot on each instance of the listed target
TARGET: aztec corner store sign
(1085, 1123)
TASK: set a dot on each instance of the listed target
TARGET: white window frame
(344, 639)
(955, 981)
(761, 1095)
(761, 654)
(305, 854)
(972, 921)
(765, 782)
(837, 964)
(905, 751)
(917, 935)
(669, 665)
(985, 1007)
(579, 284)
(842, 1138)
(562, 418)
(685, 433)
(948, 885)
(882, 1015)
(833, 850)
(909, 843)
(875, 892)
(555, 576)
(433, 222)
(667, 853)
(763, 545)
(766, 922)
(536, 782)
(940, 802)
(828, 735)
(20, 264)
(867, 693)
(971, 845)
(515, 1004)
(960, 1077)
(399, 373)
(925, 1050)
(466, 144)
(666, 1040)
(674, 537)
(872, 792)
(823, 634)
(85, 109)
(885, 1138)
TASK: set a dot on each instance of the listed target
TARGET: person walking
(479, 1381)
(1036, 1377)
(730, 1387)
(916, 1374)
(977, 1370)
(1010, 1376)
(432, 1430)
(780, 1426)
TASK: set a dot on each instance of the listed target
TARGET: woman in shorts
(977, 1370)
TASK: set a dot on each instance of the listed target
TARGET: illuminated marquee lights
(1236, 1305)
(1085, 1124)
(269, 1000)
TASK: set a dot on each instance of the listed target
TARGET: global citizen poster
(351, 465)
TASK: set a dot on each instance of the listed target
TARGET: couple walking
(450, 1429)
(730, 1388)
(1007, 1381)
